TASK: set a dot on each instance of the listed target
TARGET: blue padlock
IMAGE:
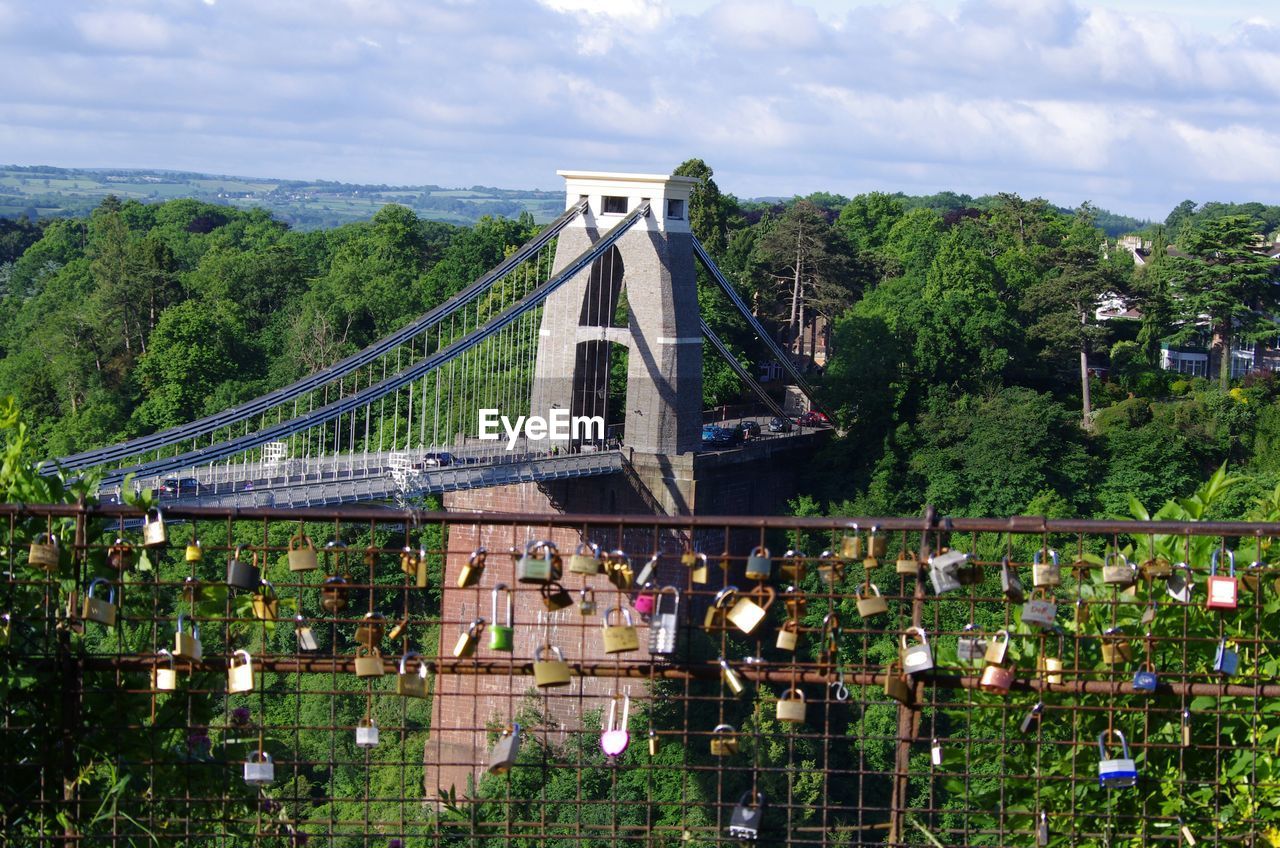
(1145, 679)
(1118, 772)
(1226, 661)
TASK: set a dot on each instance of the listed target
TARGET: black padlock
(242, 574)
(747, 817)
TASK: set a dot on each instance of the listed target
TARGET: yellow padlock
(746, 614)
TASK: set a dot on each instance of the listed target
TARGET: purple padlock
(615, 738)
(645, 600)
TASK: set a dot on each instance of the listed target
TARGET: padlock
(653, 742)
(1145, 679)
(1040, 610)
(1182, 583)
(1157, 568)
(1118, 571)
(870, 605)
(697, 563)
(306, 636)
(537, 564)
(302, 554)
(791, 706)
(120, 556)
(851, 545)
(795, 601)
(996, 679)
(1115, 773)
(643, 602)
(971, 644)
(1115, 647)
(747, 818)
(240, 675)
(96, 609)
(1252, 577)
(154, 534)
(1226, 661)
(505, 751)
(468, 639)
(759, 565)
(587, 601)
(620, 638)
(1042, 831)
(586, 559)
(470, 573)
(399, 629)
(830, 638)
(877, 545)
(164, 679)
(369, 662)
(997, 648)
(370, 630)
(194, 553)
(6, 629)
(554, 596)
(412, 684)
(788, 636)
(896, 685)
(665, 623)
(916, 658)
(715, 617)
(1222, 592)
(746, 614)
(186, 643)
(409, 562)
(502, 636)
(45, 553)
(830, 568)
(259, 770)
(1186, 728)
(1051, 667)
(266, 604)
(792, 568)
(647, 571)
(617, 567)
(367, 733)
(944, 571)
(730, 677)
(1033, 715)
(420, 574)
(242, 574)
(1045, 570)
(907, 564)
(553, 672)
(724, 741)
(1149, 613)
(1010, 582)
(615, 736)
(935, 752)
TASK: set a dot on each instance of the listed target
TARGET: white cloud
(124, 30)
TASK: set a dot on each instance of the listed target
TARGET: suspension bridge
(609, 284)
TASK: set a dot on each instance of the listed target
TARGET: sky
(1134, 105)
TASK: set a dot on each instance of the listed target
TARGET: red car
(813, 418)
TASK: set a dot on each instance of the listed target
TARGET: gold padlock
(698, 569)
(730, 677)
(585, 559)
(792, 568)
(194, 553)
(1118, 571)
(997, 647)
(470, 573)
(164, 679)
(96, 609)
(370, 630)
(553, 672)
(468, 639)
(266, 604)
(746, 614)
(851, 545)
(877, 545)
(716, 613)
(830, 568)
(408, 562)
(724, 741)
(153, 530)
(398, 629)
(369, 662)
(1051, 667)
(791, 706)
(45, 554)
(622, 637)
(788, 636)
(412, 684)
(896, 685)
(187, 644)
(870, 605)
(908, 563)
(1045, 569)
(1115, 647)
(617, 566)
(240, 676)
(302, 553)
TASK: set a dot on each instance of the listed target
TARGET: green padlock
(759, 565)
(502, 636)
(538, 563)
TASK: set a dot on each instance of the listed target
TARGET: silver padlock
(1010, 582)
(1116, 773)
(1040, 610)
(259, 770)
(367, 733)
(306, 636)
(944, 571)
(1182, 583)
(916, 658)
(647, 571)
(537, 565)
(971, 644)
(1045, 571)
(665, 621)
(587, 601)
(505, 751)
(1118, 571)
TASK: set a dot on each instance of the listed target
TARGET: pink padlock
(615, 738)
(645, 600)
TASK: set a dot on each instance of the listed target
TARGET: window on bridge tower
(613, 205)
(675, 209)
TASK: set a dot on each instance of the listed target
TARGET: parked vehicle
(779, 424)
(177, 487)
(748, 428)
(437, 459)
(813, 418)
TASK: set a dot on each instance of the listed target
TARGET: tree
(708, 208)
(1224, 278)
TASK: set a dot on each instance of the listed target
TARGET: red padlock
(996, 679)
(644, 601)
(1224, 592)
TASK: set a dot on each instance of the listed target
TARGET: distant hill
(44, 191)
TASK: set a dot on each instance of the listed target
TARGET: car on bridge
(178, 487)
(814, 418)
(779, 424)
(437, 459)
(748, 428)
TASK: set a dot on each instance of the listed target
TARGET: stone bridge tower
(642, 295)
